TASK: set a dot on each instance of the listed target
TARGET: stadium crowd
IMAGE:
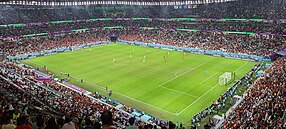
(41, 43)
(242, 44)
(79, 110)
(220, 103)
(235, 9)
(270, 9)
(264, 103)
(26, 103)
(233, 43)
(257, 27)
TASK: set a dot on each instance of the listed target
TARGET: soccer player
(185, 54)
(165, 59)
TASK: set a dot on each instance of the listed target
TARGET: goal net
(225, 78)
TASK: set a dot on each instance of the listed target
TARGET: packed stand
(241, 44)
(233, 43)
(257, 27)
(235, 9)
(41, 43)
(265, 103)
(85, 110)
(268, 9)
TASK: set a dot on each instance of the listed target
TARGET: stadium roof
(109, 2)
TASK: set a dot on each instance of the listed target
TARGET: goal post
(225, 78)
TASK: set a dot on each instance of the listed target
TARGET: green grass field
(175, 90)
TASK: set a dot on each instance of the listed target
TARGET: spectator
(131, 124)
(51, 124)
(40, 122)
(72, 124)
(60, 122)
(7, 122)
(264, 104)
(106, 119)
(23, 123)
(89, 124)
(96, 125)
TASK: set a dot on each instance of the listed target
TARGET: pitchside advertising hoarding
(2, 56)
(186, 6)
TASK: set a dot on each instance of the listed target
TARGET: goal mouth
(225, 78)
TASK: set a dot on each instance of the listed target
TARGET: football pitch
(166, 84)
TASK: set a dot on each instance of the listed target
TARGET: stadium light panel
(233, 32)
(3, 25)
(249, 33)
(148, 28)
(28, 35)
(53, 22)
(255, 19)
(113, 27)
(16, 25)
(233, 19)
(42, 34)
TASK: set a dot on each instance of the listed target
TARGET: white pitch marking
(197, 100)
(206, 93)
(134, 99)
(209, 78)
(179, 92)
(240, 66)
(146, 103)
(181, 74)
(161, 85)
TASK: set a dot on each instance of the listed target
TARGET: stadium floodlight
(225, 78)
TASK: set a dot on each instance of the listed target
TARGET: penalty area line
(135, 99)
(145, 103)
(176, 76)
(206, 93)
(240, 67)
(181, 74)
(179, 92)
(197, 100)
(209, 78)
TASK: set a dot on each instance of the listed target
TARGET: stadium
(142, 64)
